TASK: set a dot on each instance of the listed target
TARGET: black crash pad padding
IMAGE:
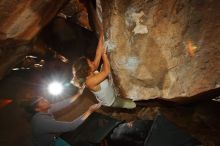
(95, 128)
(165, 133)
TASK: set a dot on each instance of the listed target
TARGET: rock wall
(23, 19)
(20, 21)
(163, 48)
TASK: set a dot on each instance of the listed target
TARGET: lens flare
(5, 102)
(55, 88)
(191, 48)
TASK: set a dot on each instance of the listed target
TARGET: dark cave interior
(59, 43)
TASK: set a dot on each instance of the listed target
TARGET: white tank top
(106, 95)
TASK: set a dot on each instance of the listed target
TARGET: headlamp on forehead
(55, 88)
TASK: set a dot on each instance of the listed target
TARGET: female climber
(85, 74)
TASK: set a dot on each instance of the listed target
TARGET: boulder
(163, 49)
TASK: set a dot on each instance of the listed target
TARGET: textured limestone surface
(24, 18)
(20, 22)
(168, 49)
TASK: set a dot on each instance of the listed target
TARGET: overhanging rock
(162, 48)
